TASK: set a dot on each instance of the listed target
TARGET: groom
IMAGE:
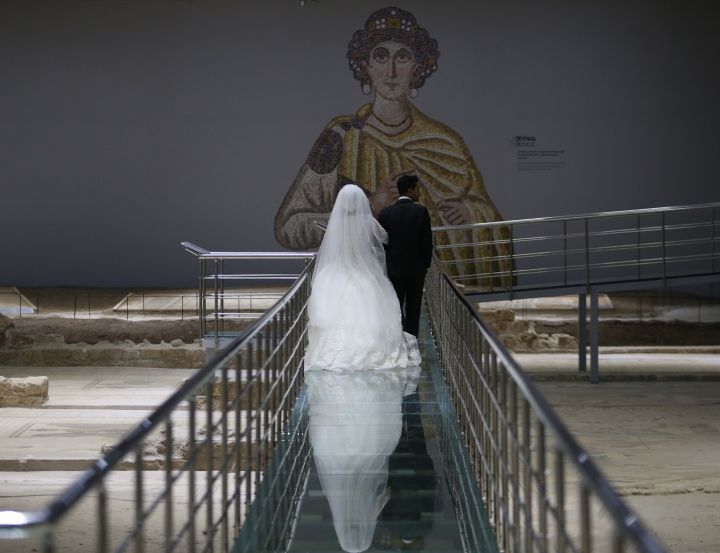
(409, 249)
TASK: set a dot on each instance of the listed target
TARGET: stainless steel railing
(656, 244)
(542, 491)
(185, 477)
(214, 281)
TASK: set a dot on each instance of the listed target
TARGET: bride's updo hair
(398, 25)
(353, 238)
(348, 198)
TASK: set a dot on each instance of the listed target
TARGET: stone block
(16, 339)
(518, 327)
(152, 354)
(23, 392)
(509, 340)
(565, 341)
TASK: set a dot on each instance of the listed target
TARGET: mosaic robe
(351, 150)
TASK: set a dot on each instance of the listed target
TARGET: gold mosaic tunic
(349, 150)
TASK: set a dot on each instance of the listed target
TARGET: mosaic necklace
(392, 126)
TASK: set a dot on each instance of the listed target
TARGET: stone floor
(89, 407)
(659, 445)
(628, 364)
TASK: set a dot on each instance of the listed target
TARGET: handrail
(194, 248)
(257, 255)
(578, 217)
(202, 253)
(614, 232)
(613, 248)
(15, 521)
(622, 515)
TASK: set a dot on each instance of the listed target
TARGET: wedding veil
(353, 310)
(353, 240)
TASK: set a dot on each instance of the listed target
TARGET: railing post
(222, 295)
(582, 332)
(504, 460)
(201, 301)
(192, 453)
(560, 542)
(587, 253)
(496, 467)
(225, 464)
(515, 466)
(714, 241)
(639, 249)
(512, 260)
(168, 485)
(238, 441)
(585, 522)
(209, 467)
(102, 527)
(217, 305)
(139, 511)
(528, 495)
(594, 337)
(664, 253)
(565, 252)
(542, 487)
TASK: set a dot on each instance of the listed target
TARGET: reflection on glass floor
(370, 467)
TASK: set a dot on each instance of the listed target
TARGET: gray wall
(126, 127)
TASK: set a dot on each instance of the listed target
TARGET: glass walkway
(375, 469)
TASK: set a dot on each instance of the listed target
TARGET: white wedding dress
(353, 311)
(359, 363)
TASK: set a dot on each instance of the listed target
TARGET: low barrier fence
(542, 491)
(654, 246)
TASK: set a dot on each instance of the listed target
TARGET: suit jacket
(409, 249)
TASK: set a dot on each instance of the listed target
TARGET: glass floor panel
(374, 463)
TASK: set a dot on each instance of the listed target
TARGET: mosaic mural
(392, 57)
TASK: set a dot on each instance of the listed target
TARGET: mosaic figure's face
(390, 68)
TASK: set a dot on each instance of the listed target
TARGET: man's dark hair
(405, 183)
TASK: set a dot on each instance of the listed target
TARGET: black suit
(408, 254)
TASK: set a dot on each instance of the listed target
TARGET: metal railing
(214, 293)
(525, 461)
(652, 245)
(186, 477)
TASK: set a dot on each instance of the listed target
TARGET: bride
(353, 311)
(355, 329)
